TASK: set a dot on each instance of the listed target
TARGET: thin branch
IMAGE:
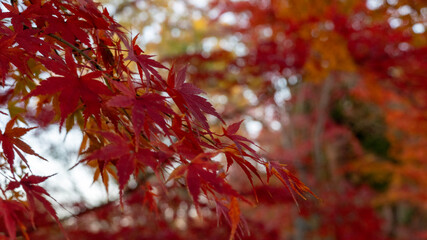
(80, 51)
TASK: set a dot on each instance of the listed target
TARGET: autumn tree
(70, 63)
(338, 88)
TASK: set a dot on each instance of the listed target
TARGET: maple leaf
(292, 183)
(10, 55)
(72, 88)
(202, 175)
(25, 36)
(189, 146)
(19, 19)
(34, 192)
(144, 62)
(230, 210)
(240, 141)
(11, 143)
(127, 158)
(232, 155)
(70, 29)
(187, 97)
(147, 110)
(89, 11)
(11, 211)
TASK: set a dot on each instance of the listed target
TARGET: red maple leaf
(35, 192)
(12, 212)
(89, 11)
(187, 97)
(127, 159)
(202, 174)
(144, 62)
(240, 141)
(12, 143)
(27, 37)
(148, 110)
(69, 29)
(72, 88)
(290, 181)
(8, 55)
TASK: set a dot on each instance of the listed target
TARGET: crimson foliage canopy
(139, 118)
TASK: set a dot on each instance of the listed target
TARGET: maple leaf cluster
(77, 66)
